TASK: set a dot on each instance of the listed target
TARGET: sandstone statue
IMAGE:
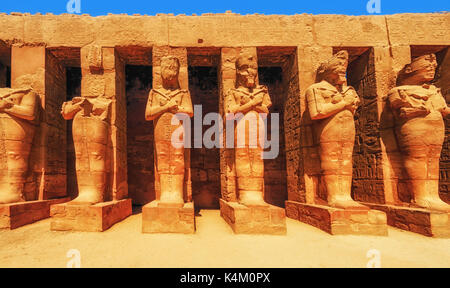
(253, 102)
(18, 120)
(163, 104)
(90, 136)
(418, 109)
(332, 105)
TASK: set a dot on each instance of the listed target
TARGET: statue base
(339, 221)
(417, 220)
(16, 215)
(168, 218)
(89, 218)
(254, 219)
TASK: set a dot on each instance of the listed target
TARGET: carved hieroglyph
(253, 101)
(18, 116)
(163, 103)
(332, 105)
(419, 108)
(90, 136)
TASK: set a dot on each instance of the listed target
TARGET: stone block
(157, 218)
(89, 218)
(253, 219)
(16, 215)
(417, 220)
(339, 221)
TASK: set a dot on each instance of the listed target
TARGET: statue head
(170, 67)
(334, 70)
(420, 71)
(246, 70)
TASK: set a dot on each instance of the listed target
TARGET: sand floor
(215, 245)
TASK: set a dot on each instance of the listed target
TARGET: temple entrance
(140, 150)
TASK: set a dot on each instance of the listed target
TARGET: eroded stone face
(419, 109)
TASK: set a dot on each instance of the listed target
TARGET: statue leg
(336, 164)
(17, 154)
(170, 165)
(422, 169)
(90, 141)
(249, 162)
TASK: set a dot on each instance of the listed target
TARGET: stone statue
(90, 132)
(18, 116)
(418, 109)
(253, 101)
(163, 103)
(332, 105)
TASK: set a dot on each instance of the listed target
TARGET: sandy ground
(215, 245)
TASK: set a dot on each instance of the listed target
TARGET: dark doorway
(140, 152)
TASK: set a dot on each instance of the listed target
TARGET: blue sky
(151, 7)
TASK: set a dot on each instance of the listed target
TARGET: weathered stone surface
(417, 220)
(160, 218)
(253, 219)
(15, 215)
(339, 221)
(89, 218)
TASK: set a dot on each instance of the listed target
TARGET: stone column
(162, 216)
(34, 67)
(103, 80)
(307, 195)
(243, 219)
(395, 195)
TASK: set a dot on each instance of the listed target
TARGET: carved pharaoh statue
(253, 101)
(90, 132)
(331, 105)
(163, 104)
(18, 120)
(418, 109)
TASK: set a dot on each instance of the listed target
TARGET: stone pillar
(159, 216)
(227, 79)
(307, 197)
(395, 196)
(243, 219)
(48, 156)
(103, 77)
(181, 54)
(444, 83)
(46, 181)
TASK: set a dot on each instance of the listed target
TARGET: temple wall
(379, 47)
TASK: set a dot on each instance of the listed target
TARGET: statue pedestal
(166, 218)
(339, 221)
(417, 220)
(15, 215)
(253, 219)
(89, 218)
